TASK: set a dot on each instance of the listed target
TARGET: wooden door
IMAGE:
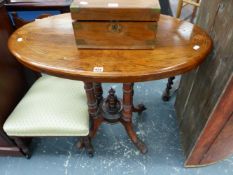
(204, 102)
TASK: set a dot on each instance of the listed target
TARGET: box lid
(122, 10)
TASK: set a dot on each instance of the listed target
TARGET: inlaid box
(115, 24)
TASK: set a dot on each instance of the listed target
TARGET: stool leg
(179, 8)
(24, 148)
(166, 93)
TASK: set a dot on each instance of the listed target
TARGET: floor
(115, 154)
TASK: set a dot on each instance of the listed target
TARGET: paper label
(113, 5)
(98, 69)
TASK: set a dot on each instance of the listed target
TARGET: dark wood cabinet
(12, 83)
(25, 5)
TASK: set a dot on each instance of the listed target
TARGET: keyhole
(115, 28)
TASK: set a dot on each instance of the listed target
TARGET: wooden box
(115, 24)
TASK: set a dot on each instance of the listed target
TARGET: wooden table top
(48, 45)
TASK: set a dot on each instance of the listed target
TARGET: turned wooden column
(127, 101)
(98, 92)
(93, 109)
(91, 99)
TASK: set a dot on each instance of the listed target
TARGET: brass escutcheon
(115, 27)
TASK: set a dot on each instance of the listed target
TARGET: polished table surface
(48, 45)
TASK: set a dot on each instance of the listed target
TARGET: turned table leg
(166, 93)
(93, 109)
(98, 92)
(109, 110)
(126, 118)
(93, 113)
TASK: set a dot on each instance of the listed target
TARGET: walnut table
(48, 45)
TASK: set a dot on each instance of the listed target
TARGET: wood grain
(115, 35)
(224, 140)
(48, 45)
(122, 24)
(202, 89)
(216, 140)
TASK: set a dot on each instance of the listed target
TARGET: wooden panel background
(224, 140)
(200, 89)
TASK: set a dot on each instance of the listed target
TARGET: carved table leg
(126, 119)
(98, 92)
(92, 103)
(93, 113)
(166, 93)
(139, 108)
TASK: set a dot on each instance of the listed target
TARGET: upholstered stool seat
(52, 107)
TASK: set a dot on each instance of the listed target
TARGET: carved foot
(133, 136)
(85, 142)
(141, 146)
(139, 109)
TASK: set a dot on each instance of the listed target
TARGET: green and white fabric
(52, 107)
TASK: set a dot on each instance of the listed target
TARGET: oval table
(48, 45)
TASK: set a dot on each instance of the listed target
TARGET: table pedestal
(113, 110)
